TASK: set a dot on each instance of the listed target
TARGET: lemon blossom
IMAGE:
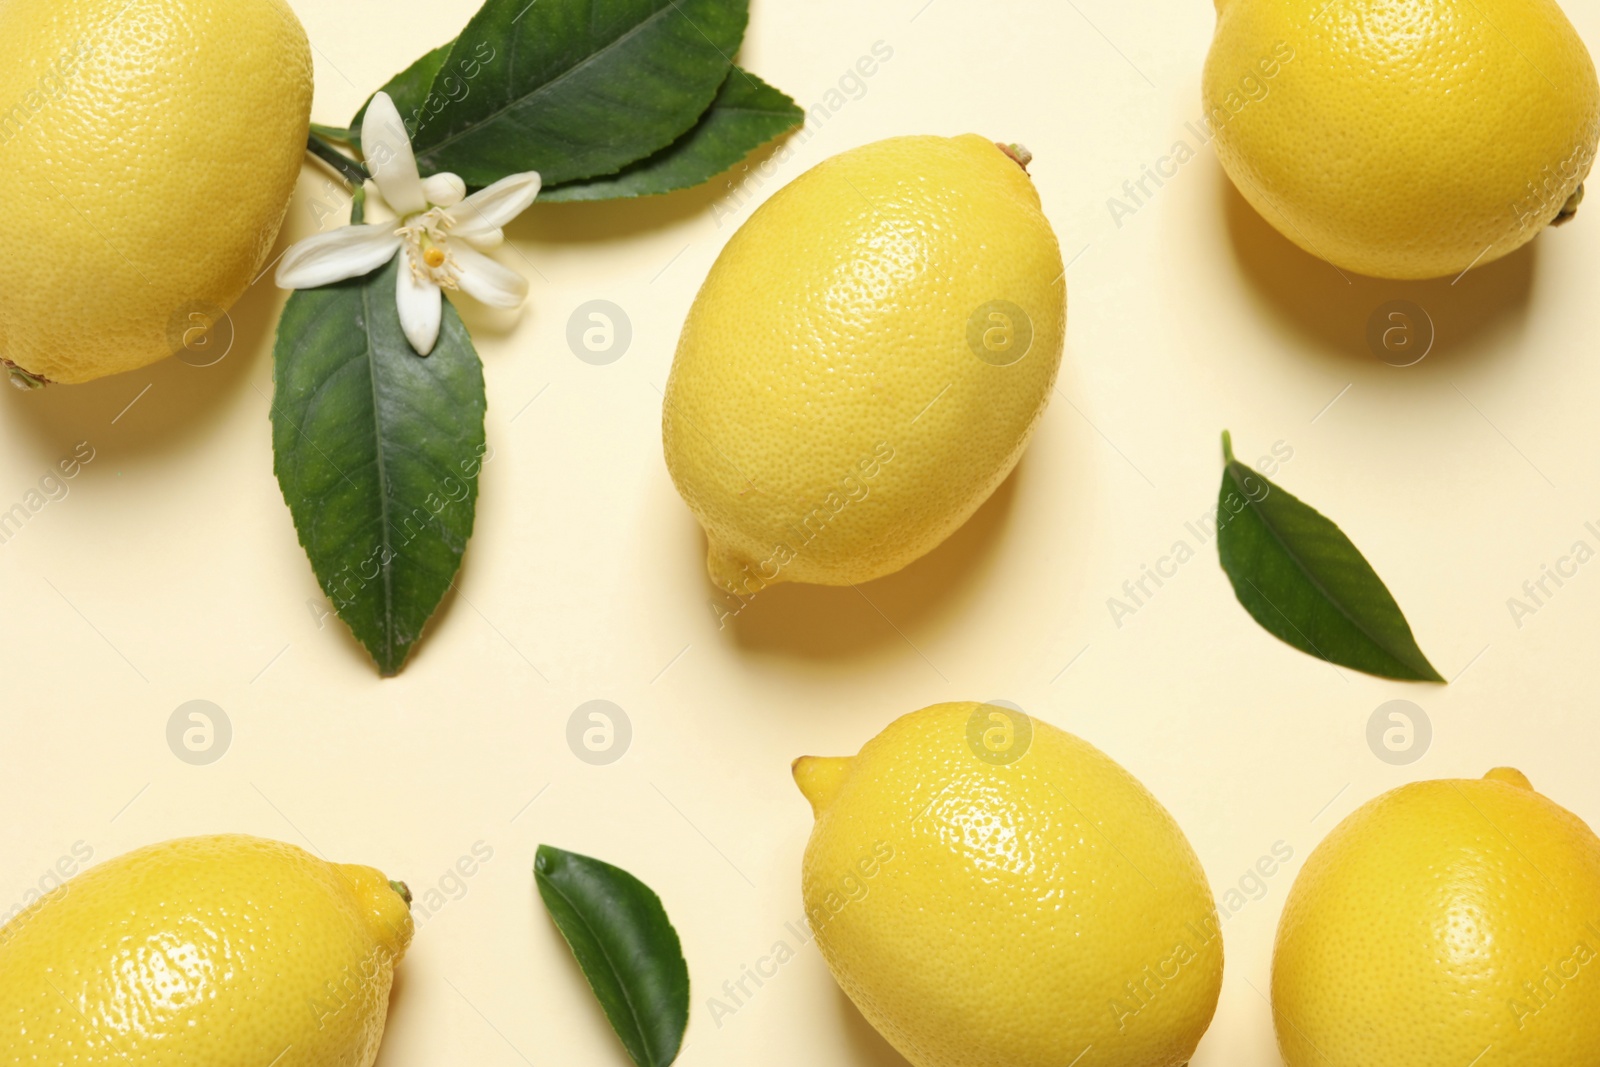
(438, 231)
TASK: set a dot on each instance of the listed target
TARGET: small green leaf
(572, 88)
(377, 452)
(626, 947)
(1300, 577)
(746, 114)
(410, 90)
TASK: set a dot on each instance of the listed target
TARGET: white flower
(438, 231)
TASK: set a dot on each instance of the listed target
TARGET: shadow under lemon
(189, 392)
(869, 1046)
(820, 621)
(1336, 308)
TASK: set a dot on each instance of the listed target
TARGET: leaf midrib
(569, 72)
(1327, 595)
(386, 563)
(616, 972)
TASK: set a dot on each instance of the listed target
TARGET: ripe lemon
(1403, 140)
(1443, 922)
(149, 148)
(865, 362)
(994, 892)
(226, 951)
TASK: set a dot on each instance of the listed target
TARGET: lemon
(149, 148)
(865, 362)
(1403, 139)
(994, 892)
(1443, 922)
(226, 951)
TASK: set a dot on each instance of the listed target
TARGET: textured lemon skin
(150, 148)
(826, 418)
(227, 951)
(988, 915)
(1419, 932)
(1403, 139)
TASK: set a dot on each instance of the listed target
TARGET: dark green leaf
(410, 91)
(575, 88)
(377, 452)
(625, 945)
(1300, 577)
(746, 114)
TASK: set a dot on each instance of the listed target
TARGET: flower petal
(421, 307)
(387, 148)
(444, 189)
(491, 208)
(485, 280)
(348, 252)
(485, 240)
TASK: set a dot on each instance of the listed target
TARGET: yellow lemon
(1403, 139)
(226, 951)
(149, 148)
(1442, 924)
(994, 892)
(865, 362)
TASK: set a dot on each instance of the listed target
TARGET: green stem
(350, 170)
(336, 134)
(358, 206)
(1227, 447)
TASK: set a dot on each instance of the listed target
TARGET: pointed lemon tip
(1510, 776)
(820, 779)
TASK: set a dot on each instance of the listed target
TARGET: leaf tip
(1227, 447)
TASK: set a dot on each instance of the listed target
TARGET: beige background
(171, 571)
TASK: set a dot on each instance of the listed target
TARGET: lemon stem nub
(820, 778)
(1017, 152)
(402, 889)
(1570, 208)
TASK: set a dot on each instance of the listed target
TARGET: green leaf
(377, 452)
(625, 945)
(746, 114)
(1300, 577)
(410, 90)
(576, 88)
